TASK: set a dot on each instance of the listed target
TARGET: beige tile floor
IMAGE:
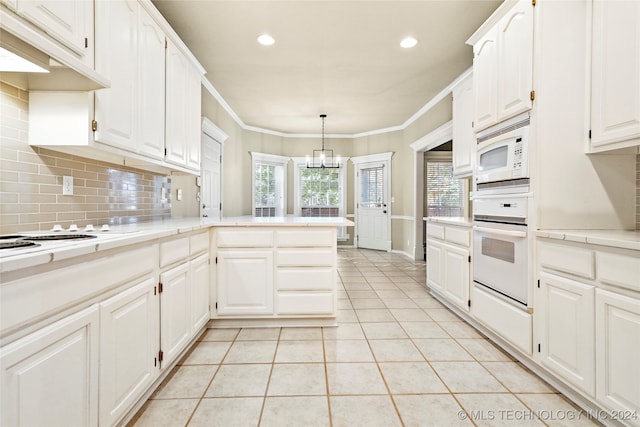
(397, 357)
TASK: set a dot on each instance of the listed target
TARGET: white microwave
(504, 157)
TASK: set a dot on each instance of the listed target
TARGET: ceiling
(340, 58)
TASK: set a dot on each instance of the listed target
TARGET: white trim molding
(434, 138)
(213, 131)
(380, 157)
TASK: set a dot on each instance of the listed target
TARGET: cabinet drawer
(309, 279)
(305, 303)
(305, 257)
(246, 238)
(576, 261)
(198, 243)
(512, 323)
(302, 237)
(618, 269)
(458, 236)
(173, 250)
(435, 230)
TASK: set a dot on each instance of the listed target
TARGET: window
(320, 192)
(445, 194)
(372, 187)
(269, 184)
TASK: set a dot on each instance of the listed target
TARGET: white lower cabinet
(50, 377)
(273, 273)
(456, 285)
(200, 285)
(565, 322)
(449, 261)
(435, 266)
(245, 281)
(129, 343)
(617, 350)
(587, 312)
(175, 319)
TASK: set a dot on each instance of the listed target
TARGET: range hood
(66, 72)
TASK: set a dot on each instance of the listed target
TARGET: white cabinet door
(435, 265)
(175, 314)
(245, 281)
(200, 285)
(617, 350)
(456, 267)
(68, 21)
(193, 120)
(485, 80)
(565, 328)
(464, 137)
(615, 102)
(50, 377)
(151, 84)
(515, 60)
(177, 68)
(117, 59)
(129, 345)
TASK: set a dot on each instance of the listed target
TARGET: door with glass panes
(372, 209)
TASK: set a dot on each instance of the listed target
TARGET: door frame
(210, 129)
(357, 161)
(431, 140)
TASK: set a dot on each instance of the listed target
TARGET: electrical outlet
(67, 185)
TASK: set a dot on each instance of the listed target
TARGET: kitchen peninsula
(107, 318)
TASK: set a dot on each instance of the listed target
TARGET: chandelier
(323, 158)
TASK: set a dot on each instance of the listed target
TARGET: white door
(176, 122)
(245, 281)
(117, 59)
(617, 348)
(50, 377)
(175, 316)
(200, 285)
(210, 184)
(373, 212)
(129, 344)
(456, 282)
(566, 329)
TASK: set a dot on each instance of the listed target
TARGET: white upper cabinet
(615, 97)
(515, 60)
(503, 66)
(183, 110)
(117, 58)
(464, 137)
(485, 63)
(151, 85)
(68, 21)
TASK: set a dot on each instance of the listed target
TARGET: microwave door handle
(500, 232)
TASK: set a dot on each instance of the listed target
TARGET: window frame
(272, 160)
(300, 163)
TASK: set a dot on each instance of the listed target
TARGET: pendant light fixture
(323, 158)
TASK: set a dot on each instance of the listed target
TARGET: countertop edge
(623, 239)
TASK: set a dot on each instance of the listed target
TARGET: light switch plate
(67, 185)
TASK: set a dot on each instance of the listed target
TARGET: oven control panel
(515, 207)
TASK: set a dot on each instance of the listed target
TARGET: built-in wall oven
(502, 239)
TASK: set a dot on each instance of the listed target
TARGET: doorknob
(384, 205)
(205, 216)
(384, 211)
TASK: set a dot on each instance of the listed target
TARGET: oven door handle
(500, 232)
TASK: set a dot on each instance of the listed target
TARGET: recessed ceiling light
(266, 40)
(408, 42)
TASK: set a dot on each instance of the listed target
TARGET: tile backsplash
(31, 182)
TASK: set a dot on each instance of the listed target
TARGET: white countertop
(453, 220)
(130, 234)
(615, 238)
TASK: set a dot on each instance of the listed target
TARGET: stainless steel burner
(17, 244)
(60, 237)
